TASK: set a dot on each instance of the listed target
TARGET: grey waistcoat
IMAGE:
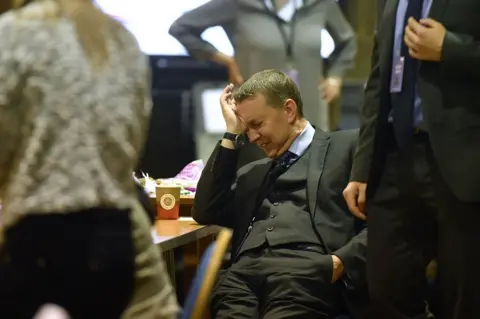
(283, 216)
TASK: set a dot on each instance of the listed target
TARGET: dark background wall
(170, 144)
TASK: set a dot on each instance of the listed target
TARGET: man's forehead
(252, 113)
(245, 117)
(251, 109)
(252, 105)
(252, 101)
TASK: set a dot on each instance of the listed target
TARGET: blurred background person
(74, 108)
(276, 34)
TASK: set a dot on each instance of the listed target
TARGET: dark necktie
(287, 159)
(279, 166)
(403, 102)
(283, 163)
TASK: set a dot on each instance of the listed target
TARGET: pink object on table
(192, 171)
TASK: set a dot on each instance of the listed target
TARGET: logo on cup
(167, 201)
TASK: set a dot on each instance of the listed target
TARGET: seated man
(296, 252)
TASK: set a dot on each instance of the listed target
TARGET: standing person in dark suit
(418, 152)
(296, 251)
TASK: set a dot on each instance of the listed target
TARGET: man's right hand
(355, 196)
(229, 110)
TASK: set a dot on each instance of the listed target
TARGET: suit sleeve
(354, 256)
(189, 27)
(368, 122)
(343, 57)
(354, 253)
(460, 54)
(215, 189)
(369, 113)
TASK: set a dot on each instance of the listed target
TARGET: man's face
(268, 127)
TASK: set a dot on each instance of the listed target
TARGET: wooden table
(182, 242)
(186, 204)
(187, 200)
(171, 234)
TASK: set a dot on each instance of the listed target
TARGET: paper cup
(168, 201)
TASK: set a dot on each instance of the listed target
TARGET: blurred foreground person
(74, 108)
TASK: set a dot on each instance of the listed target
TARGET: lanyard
(288, 41)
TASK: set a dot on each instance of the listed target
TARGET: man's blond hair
(274, 85)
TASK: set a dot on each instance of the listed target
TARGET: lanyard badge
(397, 75)
(288, 40)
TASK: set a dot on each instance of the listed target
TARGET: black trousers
(278, 283)
(83, 262)
(413, 217)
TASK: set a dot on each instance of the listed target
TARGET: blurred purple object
(192, 171)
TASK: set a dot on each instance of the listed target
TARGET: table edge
(189, 237)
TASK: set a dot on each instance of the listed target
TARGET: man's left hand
(425, 39)
(337, 268)
(330, 88)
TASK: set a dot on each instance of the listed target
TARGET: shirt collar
(287, 11)
(303, 141)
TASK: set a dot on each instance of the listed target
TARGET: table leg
(179, 274)
(168, 257)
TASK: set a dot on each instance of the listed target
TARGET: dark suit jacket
(450, 94)
(249, 153)
(229, 198)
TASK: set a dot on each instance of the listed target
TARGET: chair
(202, 285)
